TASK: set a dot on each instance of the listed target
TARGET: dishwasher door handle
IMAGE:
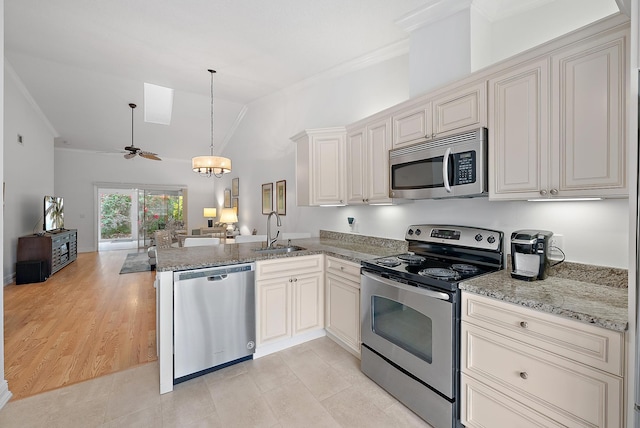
(217, 277)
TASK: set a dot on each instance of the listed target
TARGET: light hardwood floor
(85, 321)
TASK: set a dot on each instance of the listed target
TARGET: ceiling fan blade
(149, 155)
(129, 155)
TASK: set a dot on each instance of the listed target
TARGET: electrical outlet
(556, 241)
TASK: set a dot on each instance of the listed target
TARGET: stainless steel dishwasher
(213, 318)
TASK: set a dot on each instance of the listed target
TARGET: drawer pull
(341, 267)
(524, 375)
(524, 324)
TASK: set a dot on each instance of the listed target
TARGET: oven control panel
(472, 237)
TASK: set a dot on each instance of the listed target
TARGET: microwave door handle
(445, 170)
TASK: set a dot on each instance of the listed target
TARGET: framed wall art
(267, 198)
(227, 198)
(235, 187)
(281, 197)
(235, 205)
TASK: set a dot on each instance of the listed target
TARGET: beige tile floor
(316, 384)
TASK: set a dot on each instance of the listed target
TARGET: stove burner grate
(465, 268)
(440, 273)
(388, 262)
(412, 259)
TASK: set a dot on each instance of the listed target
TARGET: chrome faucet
(270, 241)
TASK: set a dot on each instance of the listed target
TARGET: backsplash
(398, 245)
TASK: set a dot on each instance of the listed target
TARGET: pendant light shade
(211, 165)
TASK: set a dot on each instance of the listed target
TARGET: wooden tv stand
(58, 249)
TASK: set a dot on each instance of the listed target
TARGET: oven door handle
(424, 291)
(445, 170)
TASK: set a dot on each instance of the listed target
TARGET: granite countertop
(604, 305)
(351, 247)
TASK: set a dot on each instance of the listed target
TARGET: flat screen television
(53, 213)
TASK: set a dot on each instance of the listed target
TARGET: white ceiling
(84, 61)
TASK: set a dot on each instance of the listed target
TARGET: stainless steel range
(410, 307)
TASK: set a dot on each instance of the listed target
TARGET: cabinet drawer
(344, 269)
(588, 344)
(568, 392)
(482, 406)
(277, 268)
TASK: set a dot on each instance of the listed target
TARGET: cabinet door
(273, 310)
(356, 170)
(412, 124)
(518, 132)
(460, 110)
(327, 175)
(343, 311)
(378, 145)
(308, 295)
(588, 131)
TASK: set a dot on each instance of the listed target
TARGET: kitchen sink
(279, 249)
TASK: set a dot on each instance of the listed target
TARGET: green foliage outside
(115, 217)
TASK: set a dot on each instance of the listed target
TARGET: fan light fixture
(211, 165)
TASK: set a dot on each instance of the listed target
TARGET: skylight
(158, 104)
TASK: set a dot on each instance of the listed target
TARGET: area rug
(136, 262)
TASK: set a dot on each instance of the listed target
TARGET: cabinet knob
(524, 324)
(554, 192)
(524, 375)
(341, 267)
(290, 279)
(295, 279)
(543, 192)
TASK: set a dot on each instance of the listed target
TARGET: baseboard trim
(270, 348)
(5, 394)
(343, 345)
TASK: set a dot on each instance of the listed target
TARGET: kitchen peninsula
(348, 247)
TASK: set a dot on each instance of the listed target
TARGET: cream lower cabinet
(289, 298)
(342, 312)
(526, 368)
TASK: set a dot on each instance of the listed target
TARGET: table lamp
(229, 216)
(210, 213)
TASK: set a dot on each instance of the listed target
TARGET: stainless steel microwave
(447, 167)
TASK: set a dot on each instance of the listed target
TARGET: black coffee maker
(530, 254)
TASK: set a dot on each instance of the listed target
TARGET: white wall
(518, 33)
(5, 395)
(28, 168)
(76, 172)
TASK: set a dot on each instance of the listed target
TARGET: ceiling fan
(132, 149)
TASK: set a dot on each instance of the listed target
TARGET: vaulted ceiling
(83, 61)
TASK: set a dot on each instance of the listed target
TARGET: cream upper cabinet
(342, 309)
(320, 167)
(368, 163)
(536, 369)
(451, 110)
(519, 132)
(289, 297)
(460, 109)
(556, 125)
(411, 123)
(588, 131)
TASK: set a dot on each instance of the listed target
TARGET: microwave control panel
(465, 167)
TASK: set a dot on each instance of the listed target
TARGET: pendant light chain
(211, 165)
(212, 72)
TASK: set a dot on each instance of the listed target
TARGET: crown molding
(431, 12)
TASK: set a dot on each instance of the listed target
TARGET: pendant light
(211, 165)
